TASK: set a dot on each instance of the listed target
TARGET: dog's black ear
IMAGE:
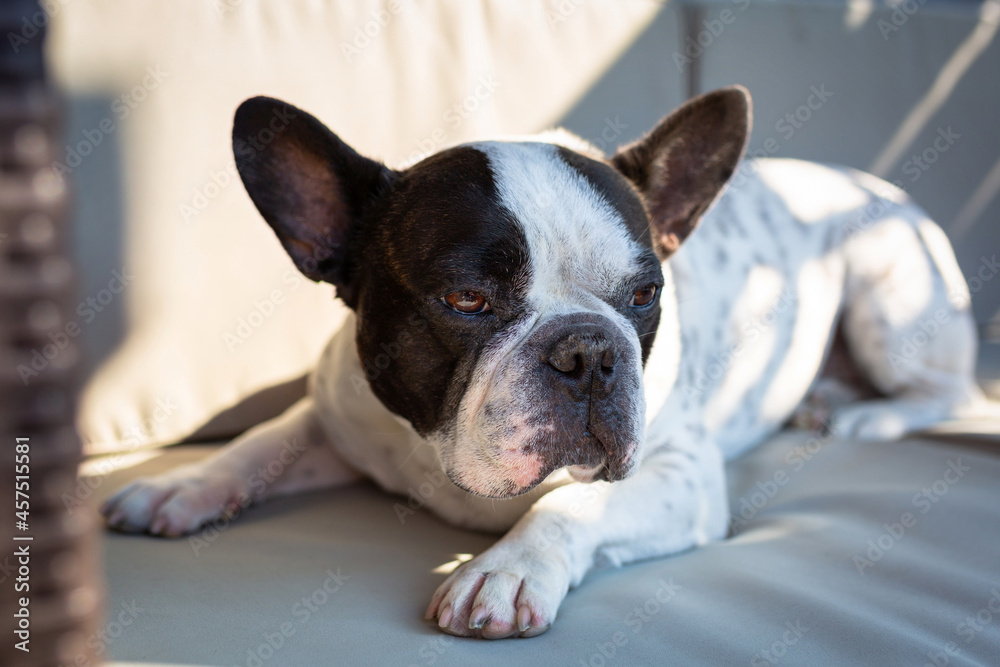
(311, 187)
(683, 164)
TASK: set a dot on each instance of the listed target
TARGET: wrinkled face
(507, 293)
(522, 280)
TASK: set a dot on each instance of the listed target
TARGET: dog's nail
(116, 519)
(444, 618)
(479, 618)
(158, 526)
(534, 632)
(523, 618)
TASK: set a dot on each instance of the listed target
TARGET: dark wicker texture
(36, 295)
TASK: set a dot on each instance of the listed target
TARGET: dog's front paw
(877, 421)
(173, 504)
(511, 590)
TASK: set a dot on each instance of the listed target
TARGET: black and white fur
(552, 413)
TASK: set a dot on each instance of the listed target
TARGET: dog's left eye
(467, 303)
(643, 296)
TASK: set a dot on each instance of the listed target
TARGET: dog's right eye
(467, 303)
(643, 296)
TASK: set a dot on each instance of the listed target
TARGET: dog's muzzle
(589, 363)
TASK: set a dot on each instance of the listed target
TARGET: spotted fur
(558, 239)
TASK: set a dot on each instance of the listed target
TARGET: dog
(541, 324)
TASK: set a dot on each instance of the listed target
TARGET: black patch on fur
(685, 161)
(311, 187)
(395, 242)
(442, 229)
(616, 190)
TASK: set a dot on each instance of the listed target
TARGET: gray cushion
(791, 581)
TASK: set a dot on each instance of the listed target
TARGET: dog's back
(793, 254)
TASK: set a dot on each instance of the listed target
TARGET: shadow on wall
(636, 91)
(91, 158)
(910, 96)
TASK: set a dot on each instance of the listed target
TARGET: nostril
(564, 362)
(609, 359)
(578, 356)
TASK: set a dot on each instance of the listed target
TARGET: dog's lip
(585, 474)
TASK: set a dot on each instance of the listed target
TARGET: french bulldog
(542, 328)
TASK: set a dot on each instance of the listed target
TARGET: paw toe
(490, 605)
(169, 506)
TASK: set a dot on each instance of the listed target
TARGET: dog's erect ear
(683, 164)
(310, 186)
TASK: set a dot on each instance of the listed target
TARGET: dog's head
(507, 293)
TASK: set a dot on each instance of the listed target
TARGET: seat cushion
(842, 552)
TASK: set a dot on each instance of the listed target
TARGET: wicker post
(50, 594)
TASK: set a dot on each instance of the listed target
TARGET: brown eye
(643, 296)
(467, 303)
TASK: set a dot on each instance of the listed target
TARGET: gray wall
(898, 79)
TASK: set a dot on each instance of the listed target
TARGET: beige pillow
(215, 312)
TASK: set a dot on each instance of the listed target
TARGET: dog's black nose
(586, 356)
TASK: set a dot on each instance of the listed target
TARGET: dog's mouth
(609, 464)
(585, 474)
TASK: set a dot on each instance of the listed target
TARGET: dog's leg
(675, 501)
(288, 454)
(908, 326)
